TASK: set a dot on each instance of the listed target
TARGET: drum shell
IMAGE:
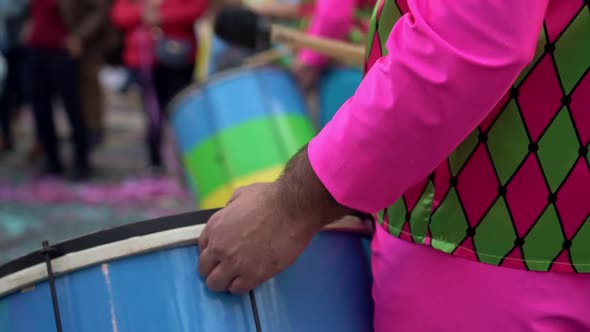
(336, 86)
(239, 128)
(327, 289)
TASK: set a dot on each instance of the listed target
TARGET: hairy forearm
(302, 195)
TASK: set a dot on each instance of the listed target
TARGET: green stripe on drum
(244, 149)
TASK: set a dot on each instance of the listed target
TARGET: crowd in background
(54, 50)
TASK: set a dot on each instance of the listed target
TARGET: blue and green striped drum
(239, 128)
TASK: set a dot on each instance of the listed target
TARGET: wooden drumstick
(243, 27)
(334, 49)
(265, 57)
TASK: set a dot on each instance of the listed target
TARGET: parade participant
(334, 19)
(478, 162)
(89, 24)
(54, 55)
(160, 48)
(13, 18)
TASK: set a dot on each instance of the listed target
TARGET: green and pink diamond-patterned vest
(516, 192)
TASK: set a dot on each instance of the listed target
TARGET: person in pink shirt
(334, 19)
(468, 139)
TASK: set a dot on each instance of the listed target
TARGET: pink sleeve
(331, 19)
(450, 62)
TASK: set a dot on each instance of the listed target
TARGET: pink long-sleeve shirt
(331, 19)
(448, 64)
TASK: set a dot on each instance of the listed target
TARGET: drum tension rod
(255, 311)
(47, 252)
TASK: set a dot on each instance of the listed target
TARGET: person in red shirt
(159, 46)
(54, 68)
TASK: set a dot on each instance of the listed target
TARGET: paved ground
(33, 209)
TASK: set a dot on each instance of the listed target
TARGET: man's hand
(251, 240)
(74, 46)
(265, 227)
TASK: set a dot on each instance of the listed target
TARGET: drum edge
(125, 241)
(107, 252)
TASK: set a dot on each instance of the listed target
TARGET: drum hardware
(266, 57)
(47, 251)
(255, 311)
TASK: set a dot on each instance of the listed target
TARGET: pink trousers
(418, 289)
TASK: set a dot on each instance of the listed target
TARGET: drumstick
(265, 57)
(245, 28)
(337, 50)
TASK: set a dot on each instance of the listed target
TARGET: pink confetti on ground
(129, 192)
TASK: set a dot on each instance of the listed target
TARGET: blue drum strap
(47, 252)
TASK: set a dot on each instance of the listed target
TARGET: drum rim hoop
(108, 236)
(125, 241)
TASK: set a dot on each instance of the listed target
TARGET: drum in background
(143, 277)
(335, 86)
(239, 128)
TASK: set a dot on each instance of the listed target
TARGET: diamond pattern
(558, 149)
(477, 176)
(402, 5)
(540, 97)
(466, 249)
(406, 233)
(527, 195)
(544, 241)
(514, 259)
(375, 43)
(491, 117)
(494, 237)
(441, 184)
(413, 194)
(447, 228)
(458, 158)
(519, 185)
(562, 263)
(421, 214)
(579, 109)
(579, 250)
(381, 217)
(572, 53)
(393, 13)
(508, 142)
(395, 217)
(559, 14)
(539, 52)
(573, 199)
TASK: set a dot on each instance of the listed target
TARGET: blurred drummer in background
(168, 50)
(335, 19)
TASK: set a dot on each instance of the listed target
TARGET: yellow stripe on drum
(220, 196)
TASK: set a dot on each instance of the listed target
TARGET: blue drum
(143, 277)
(240, 127)
(335, 86)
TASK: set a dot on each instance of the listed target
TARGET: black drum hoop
(116, 234)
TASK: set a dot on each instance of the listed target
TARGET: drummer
(334, 19)
(484, 189)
